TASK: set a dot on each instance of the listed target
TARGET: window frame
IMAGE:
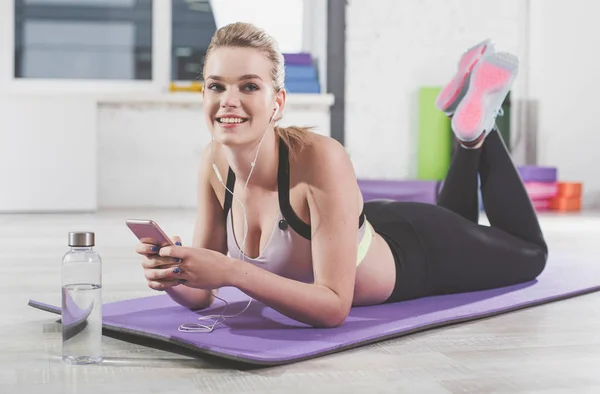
(314, 42)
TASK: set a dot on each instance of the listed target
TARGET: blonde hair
(246, 35)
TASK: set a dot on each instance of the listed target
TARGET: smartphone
(147, 231)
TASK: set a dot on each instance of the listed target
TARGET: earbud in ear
(275, 113)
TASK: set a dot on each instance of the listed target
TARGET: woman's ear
(279, 104)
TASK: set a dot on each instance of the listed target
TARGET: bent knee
(539, 260)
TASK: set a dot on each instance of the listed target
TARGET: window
(83, 39)
(142, 45)
(195, 21)
(193, 25)
(282, 19)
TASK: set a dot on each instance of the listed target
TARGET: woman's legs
(507, 204)
(460, 190)
(482, 151)
(458, 254)
(473, 110)
(506, 201)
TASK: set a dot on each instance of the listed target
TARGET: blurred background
(100, 104)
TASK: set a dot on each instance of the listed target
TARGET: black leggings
(441, 249)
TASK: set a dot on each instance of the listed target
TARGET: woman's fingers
(176, 240)
(146, 249)
(163, 274)
(159, 262)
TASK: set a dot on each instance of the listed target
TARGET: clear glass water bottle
(82, 301)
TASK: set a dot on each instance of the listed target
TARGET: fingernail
(176, 270)
(176, 259)
(154, 249)
(178, 243)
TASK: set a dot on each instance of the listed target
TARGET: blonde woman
(292, 230)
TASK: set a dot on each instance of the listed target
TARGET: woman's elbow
(335, 318)
(193, 300)
(196, 305)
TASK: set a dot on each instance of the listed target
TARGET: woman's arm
(334, 212)
(209, 233)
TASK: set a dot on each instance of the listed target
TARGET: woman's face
(239, 100)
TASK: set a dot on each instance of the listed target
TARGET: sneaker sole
(451, 91)
(490, 83)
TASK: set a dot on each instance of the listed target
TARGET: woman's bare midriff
(376, 274)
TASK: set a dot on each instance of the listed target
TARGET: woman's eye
(215, 86)
(251, 87)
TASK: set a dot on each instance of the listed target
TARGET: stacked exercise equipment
(541, 184)
(547, 192)
(301, 73)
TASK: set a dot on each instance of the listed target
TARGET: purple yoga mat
(265, 337)
(399, 190)
(538, 174)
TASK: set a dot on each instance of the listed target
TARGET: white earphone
(275, 113)
(197, 327)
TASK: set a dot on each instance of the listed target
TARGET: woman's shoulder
(321, 158)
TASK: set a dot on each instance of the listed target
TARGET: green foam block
(435, 137)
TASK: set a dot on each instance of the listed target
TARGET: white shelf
(326, 100)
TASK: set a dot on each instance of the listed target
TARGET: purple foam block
(263, 336)
(400, 190)
(299, 59)
(538, 174)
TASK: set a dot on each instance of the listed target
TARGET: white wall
(564, 79)
(394, 48)
(47, 154)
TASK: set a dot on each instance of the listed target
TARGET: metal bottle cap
(82, 239)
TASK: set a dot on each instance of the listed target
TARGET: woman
(313, 249)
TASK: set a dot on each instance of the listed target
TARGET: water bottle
(81, 301)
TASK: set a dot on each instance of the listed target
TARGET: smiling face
(239, 97)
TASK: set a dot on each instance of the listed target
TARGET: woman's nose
(230, 99)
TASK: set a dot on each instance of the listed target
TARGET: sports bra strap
(228, 196)
(283, 189)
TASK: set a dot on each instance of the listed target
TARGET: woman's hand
(170, 266)
(154, 265)
(196, 267)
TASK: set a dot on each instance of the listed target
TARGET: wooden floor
(553, 348)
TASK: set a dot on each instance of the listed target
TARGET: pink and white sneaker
(489, 84)
(454, 91)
